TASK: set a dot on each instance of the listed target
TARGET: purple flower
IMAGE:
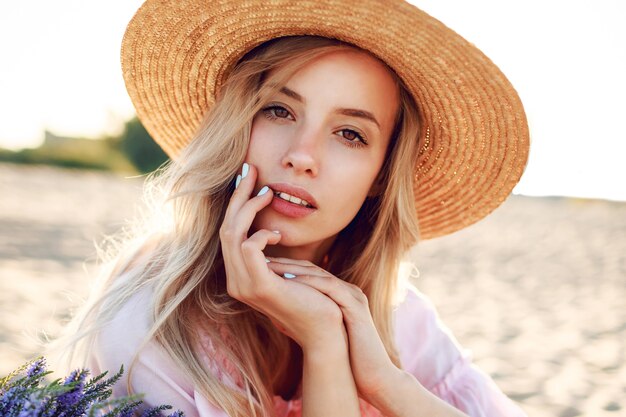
(156, 412)
(23, 395)
(36, 368)
(10, 399)
(36, 408)
(31, 412)
(73, 396)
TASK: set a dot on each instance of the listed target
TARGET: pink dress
(427, 350)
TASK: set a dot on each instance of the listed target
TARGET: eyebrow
(363, 114)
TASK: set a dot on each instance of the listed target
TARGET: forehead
(348, 78)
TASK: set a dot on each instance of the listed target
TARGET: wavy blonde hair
(183, 264)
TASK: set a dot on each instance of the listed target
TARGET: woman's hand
(301, 312)
(372, 368)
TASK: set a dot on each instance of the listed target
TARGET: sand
(536, 291)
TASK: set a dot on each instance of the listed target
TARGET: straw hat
(474, 142)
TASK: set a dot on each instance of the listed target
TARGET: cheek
(352, 186)
(261, 145)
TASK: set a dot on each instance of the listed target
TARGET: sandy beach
(537, 291)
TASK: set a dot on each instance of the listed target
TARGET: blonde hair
(184, 264)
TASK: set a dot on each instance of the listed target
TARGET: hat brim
(474, 141)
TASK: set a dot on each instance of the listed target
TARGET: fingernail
(267, 261)
(276, 231)
(244, 170)
(237, 181)
(288, 275)
(263, 190)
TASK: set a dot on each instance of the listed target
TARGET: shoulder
(429, 351)
(427, 348)
(414, 303)
(123, 333)
(127, 315)
(416, 317)
(123, 341)
(121, 337)
(149, 369)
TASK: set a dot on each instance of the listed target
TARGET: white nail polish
(244, 170)
(288, 275)
(263, 190)
(237, 181)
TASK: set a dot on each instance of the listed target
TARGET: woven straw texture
(475, 140)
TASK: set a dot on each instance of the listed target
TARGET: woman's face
(323, 139)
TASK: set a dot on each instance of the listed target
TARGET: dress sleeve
(429, 351)
(153, 374)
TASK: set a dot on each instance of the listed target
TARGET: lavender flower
(76, 380)
(10, 399)
(23, 394)
(156, 411)
(37, 368)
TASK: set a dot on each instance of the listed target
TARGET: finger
(347, 296)
(294, 269)
(253, 282)
(250, 208)
(289, 261)
(252, 251)
(247, 174)
(244, 191)
(239, 216)
(237, 225)
(263, 237)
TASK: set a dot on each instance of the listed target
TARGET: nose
(303, 154)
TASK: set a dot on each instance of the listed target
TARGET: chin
(290, 237)
(294, 232)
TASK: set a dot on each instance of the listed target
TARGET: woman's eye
(351, 137)
(276, 112)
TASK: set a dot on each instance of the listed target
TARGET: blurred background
(536, 291)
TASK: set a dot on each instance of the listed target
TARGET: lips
(293, 194)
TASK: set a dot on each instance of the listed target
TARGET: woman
(278, 292)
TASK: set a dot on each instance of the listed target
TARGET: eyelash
(357, 143)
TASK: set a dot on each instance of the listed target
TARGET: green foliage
(132, 152)
(139, 147)
(79, 153)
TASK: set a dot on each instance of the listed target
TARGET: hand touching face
(303, 313)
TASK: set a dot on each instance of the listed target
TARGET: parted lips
(474, 142)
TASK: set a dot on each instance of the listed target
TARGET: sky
(59, 70)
